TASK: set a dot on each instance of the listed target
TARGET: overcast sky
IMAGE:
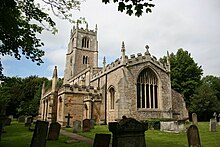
(189, 24)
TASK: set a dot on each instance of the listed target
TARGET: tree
(185, 73)
(214, 83)
(204, 102)
(22, 20)
(133, 6)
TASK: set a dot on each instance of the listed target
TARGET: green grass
(155, 138)
(19, 136)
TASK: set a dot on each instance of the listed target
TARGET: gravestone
(193, 136)
(54, 131)
(92, 123)
(1, 128)
(68, 120)
(76, 126)
(128, 132)
(3, 121)
(11, 116)
(21, 118)
(40, 134)
(102, 140)
(219, 119)
(7, 121)
(194, 119)
(28, 121)
(86, 125)
(213, 125)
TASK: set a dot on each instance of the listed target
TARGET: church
(137, 86)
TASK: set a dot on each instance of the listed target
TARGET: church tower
(82, 51)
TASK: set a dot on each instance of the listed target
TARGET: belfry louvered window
(147, 89)
(85, 42)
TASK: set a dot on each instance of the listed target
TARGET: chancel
(136, 86)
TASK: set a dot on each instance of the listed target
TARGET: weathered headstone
(92, 123)
(40, 134)
(194, 119)
(54, 131)
(11, 116)
(219, 119)
(76, 126)
(213, 125)
(21, 118)
(68, 120)
(28, 121)
(102, 140)
(193, 136)
(86, 125)
(128, 133)
(7, 121)
(3, 121)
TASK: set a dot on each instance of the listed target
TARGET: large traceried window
(112, 98)
(147, 89)
(85, 42)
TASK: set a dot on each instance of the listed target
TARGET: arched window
(147, 89)
(85, 60)
(85, 42)
(112, 98)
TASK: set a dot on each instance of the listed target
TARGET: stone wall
(179, 105)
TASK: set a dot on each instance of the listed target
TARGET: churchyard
(18, 134)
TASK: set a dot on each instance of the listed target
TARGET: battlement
(81, 89)
(82, 30)
(139, 58)
(144, 58)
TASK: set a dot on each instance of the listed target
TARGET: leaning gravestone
(102, 140)
(92, 123)
(21, 118)
(193, 136)
(213, 125)
(76, 126)
(40, 134)
(54, 131)
(128, 132)
(194, 119)
(86, 125)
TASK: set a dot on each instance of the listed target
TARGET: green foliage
(21, 22)
(153, 124)
(185, 73)
(205, 100)
(21, 96)
(136, 7)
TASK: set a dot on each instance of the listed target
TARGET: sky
(191, 25)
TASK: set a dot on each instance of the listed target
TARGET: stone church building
(136, 86)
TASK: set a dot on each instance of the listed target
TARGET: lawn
(19, 136)
(155, 138)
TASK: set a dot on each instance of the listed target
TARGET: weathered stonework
(109, 92)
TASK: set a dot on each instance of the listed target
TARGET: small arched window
(85, 42)
(112, 98)
(85, 59)
(147, 89)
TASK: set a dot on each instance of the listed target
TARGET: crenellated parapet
(130, 61)
(81, 29)
(79, 89)
(133, 60)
